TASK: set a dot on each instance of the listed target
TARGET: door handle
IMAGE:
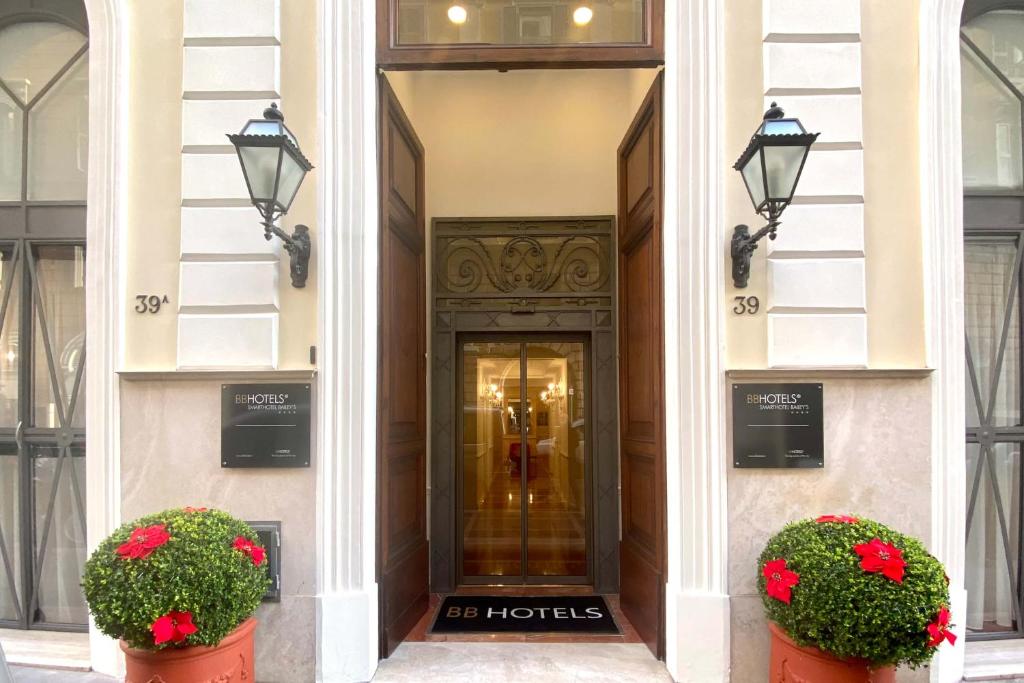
(19, 434)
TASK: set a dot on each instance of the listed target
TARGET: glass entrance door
(525, 461)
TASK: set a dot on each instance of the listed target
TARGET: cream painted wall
(895, 271)
(521, 143)
(298, 323)
(154, 179)
(746, 336)
(895, 296)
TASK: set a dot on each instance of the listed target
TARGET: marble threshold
(462, 662)
(995, 660)
(46, 649)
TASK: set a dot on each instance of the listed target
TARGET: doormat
(516, 614)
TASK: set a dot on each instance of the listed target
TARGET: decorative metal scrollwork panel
(499, 258)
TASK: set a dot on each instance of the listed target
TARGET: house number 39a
(748, 305)
(150, 303)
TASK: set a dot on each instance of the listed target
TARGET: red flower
(251, 548)
(876, 556)
(780, 581)
(174, 626)
(938, 630)
(841, 519)
(192, 509)
(143, 541)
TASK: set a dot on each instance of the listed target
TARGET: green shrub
(846, 610)
(193, 569)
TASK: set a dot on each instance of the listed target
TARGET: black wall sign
(265, 425)
(777, 425)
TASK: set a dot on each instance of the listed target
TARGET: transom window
(519, 33)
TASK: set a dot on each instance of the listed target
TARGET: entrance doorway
(554, 155)
(525, 471)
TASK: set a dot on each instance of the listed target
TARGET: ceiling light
(457, 14)
(582, 15)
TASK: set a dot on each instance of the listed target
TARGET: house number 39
(748, 305)
(150, 303)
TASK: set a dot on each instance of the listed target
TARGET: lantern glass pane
(782, 165)
(754, 179)
(258, 127)
(260, 166)
(782, 127)
(292, 174)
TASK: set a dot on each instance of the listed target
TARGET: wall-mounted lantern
(771, 166)
(274, 167)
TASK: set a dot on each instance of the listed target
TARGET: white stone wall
(228, 315)
(817, 314)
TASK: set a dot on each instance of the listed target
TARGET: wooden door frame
(697, 600)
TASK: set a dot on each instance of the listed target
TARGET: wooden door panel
(407, 405)
(402, 550)
(639, 170)
(406, 495)
(639, 351)
(641, 373)
(639, 518)
(403, 168)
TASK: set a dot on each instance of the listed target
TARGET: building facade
(536, 227)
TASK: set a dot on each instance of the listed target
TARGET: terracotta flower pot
(791, 663)
(230, 661)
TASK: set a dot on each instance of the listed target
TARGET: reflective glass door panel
(492, 525)
(524, 462)
(556, 500)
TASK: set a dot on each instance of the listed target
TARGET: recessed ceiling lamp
(582, 15)
(457, 14)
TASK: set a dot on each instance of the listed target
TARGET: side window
(44, 146)
(992, 73)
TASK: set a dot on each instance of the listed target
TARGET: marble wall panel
(170, 457)
(877, 465)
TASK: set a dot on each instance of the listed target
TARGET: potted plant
(849, 600)
(179, 589)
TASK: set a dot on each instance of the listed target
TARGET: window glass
(11, 122)
(1000, 37)
(32, 53)
(11, 584)
(991, 128)
(61, 282)
(515, 22)
(992, 337)
(58, 138)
